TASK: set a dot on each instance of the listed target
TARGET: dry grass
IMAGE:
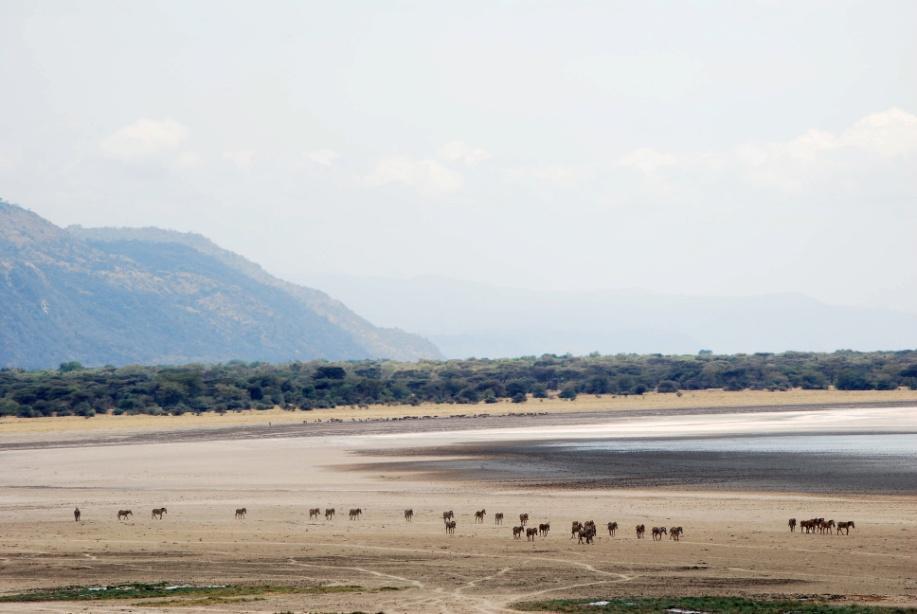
(585, 403)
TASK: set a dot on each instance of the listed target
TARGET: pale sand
(735, 542)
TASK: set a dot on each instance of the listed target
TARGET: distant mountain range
(124, 296)
(468, 319)
(145, 295)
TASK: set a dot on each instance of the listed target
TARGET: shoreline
(657, 451)
(708, 399)
(433, 427)
(24, 433)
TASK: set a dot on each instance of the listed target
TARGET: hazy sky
(707, 148)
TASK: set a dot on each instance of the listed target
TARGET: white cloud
(889, 133)
(873, 141)
(458, 151)
(427, 176)
(242, 158)
(322, 157)
(145, 137)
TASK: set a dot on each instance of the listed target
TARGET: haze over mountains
(146, 295)
(120, 296)
(469, 319)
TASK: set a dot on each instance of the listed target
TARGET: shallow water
(811, 462)
(873, 444)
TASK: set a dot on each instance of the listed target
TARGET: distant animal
(479, 516)
(448, 515)
(158, 512)
(792, 524)
(530, 534)
(845, 527)
(329, 513)
(544, 528)
(124, 514)
(586, 534)
(409, 515)
(314, 512)
(354, 513)
(523, 519)
(574, 528)
(517, 532)
(498, 518)
(450, 527)
(658, 532)
(641, 531)
(612, 528)
(76, 514)
(822, 526)
(676, 533)
(241, 512)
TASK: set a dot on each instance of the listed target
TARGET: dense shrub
(76, 390)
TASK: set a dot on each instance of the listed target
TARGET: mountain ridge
(120, 296)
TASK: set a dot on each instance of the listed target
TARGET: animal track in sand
(416, 583)
(474, 583)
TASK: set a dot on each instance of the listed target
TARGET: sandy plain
(736, 541)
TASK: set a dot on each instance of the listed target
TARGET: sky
(705, 148)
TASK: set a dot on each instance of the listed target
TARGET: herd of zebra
(820, 525)
(157, 513)
(316, 512)
(584, 532)
(241, 513)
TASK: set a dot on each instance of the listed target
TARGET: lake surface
(873, 444)
(811, 462)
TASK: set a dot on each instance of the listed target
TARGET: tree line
(75, 390)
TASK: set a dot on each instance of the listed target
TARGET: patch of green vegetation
(178, 593)
(710, 604)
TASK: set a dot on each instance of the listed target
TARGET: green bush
(9, 407)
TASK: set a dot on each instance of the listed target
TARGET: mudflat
(867, 450)
(736, 538)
